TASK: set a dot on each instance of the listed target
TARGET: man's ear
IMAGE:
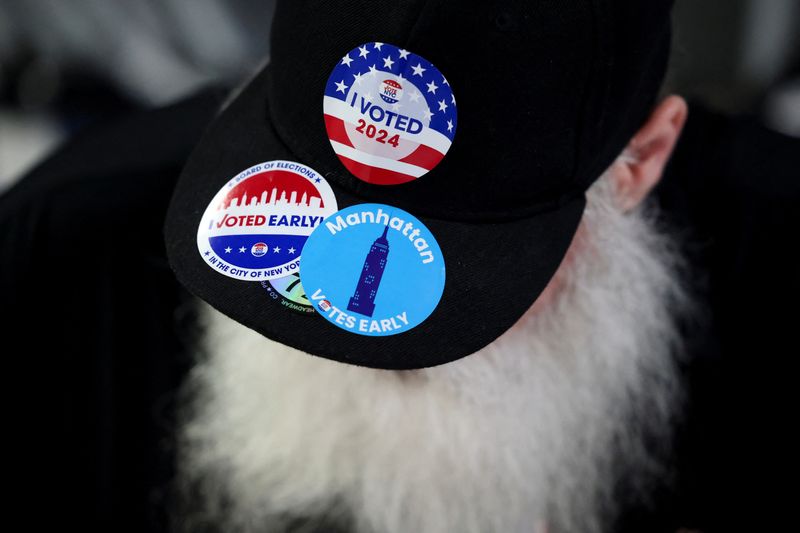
(641, 165)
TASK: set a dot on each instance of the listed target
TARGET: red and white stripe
(429, 151)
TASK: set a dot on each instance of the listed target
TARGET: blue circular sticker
(373, 269)
(256, 226)
(390, 114)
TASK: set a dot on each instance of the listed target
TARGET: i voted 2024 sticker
(390, 114)
(256, 226)
(374, 270)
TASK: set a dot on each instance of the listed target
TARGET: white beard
(529, 434)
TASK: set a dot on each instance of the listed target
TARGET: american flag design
(390, 114)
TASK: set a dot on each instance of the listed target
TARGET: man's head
(517, 108)
(534, 431)
(536, 388)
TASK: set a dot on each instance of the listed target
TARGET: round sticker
(288, 291)
(256, 226)
(390, 114)
(374, 270)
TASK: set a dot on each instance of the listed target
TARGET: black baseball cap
(549, 93)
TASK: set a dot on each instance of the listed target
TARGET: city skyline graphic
(363, 299)
(275, 187)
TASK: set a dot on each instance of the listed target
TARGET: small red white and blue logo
(255, 227)
(259, 249)
(390, 114)
(391, 91)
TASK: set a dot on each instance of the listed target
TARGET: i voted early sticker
(390, 114)
(255, 227)
(374, 270)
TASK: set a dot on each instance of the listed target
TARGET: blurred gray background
(67, 64)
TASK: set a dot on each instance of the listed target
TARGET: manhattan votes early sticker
(390, 114)
(373, 269)
(255, 227)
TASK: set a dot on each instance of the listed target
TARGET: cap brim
(494, 271)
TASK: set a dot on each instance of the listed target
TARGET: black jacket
(98, 331)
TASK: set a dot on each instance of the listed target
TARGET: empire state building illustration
(363, 300)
